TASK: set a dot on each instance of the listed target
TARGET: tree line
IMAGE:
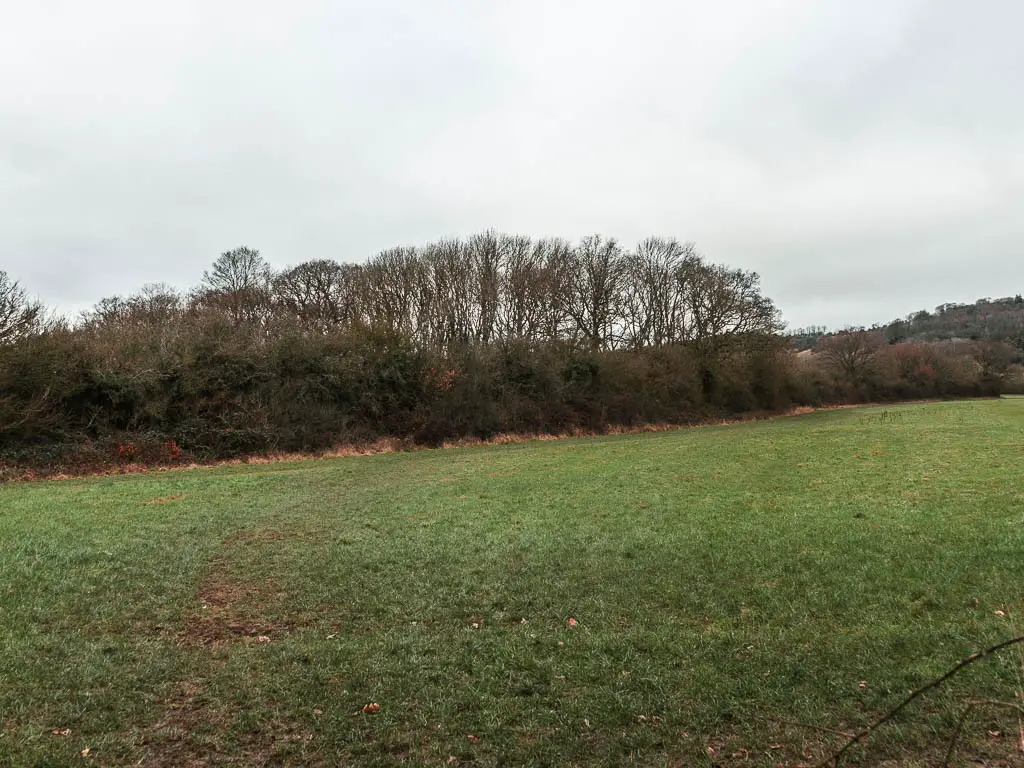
(460, 337)
(491, 288)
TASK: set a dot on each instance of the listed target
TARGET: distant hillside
(984, 320)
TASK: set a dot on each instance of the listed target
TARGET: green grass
(725, 581)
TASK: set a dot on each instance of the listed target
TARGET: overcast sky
(867, 158)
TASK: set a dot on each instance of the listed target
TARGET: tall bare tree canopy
(489, 288)
(496, 288)
(726, 302)
(486, 289)
(320, 293)
(239, 281)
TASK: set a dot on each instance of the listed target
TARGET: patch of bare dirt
(193, 731)
(196, 727)
(235, 607)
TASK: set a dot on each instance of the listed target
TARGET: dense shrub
(459, 339)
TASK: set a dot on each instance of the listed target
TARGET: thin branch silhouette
(971, 706)
(866, 732)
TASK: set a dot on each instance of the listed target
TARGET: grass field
(727, 585)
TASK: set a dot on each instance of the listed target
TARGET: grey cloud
(865, 158)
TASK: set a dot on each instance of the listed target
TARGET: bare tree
(321, 294)
(851, 354)
(534, 288)
(593, 294)
(238, 283)
(445, 294)
(654, 303)
(390, 295)
(19, 315)
(520, 290)
(158, 303)
(724, 302)
(155, 305)
(487, 254)
(108, 312)
(723, 305)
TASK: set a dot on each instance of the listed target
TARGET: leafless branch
(965, 662)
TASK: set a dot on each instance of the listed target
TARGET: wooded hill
(986, 320)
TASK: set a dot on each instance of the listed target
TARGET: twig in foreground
(963, 718)
(860, 736)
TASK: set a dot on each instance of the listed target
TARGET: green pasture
(731, 595)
